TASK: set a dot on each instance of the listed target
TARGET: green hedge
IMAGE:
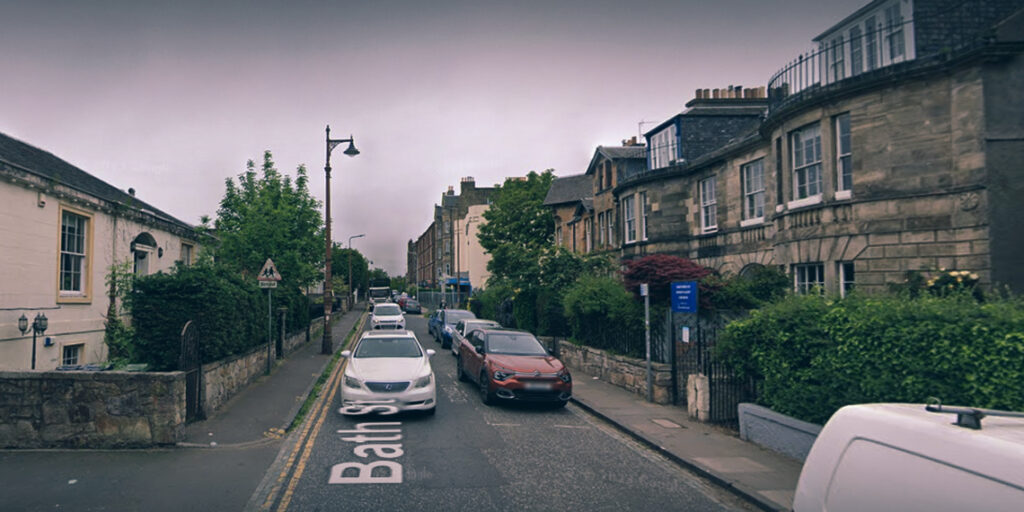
(603, 315)
(230, 313)
(815, 356)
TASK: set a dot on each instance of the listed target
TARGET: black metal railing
(874, 52)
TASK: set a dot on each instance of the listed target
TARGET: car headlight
(423, 381)
(565, 376)
(352, 382)
(503, 373)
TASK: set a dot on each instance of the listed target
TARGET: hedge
(815, 356)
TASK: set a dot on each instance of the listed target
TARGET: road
(471, 456)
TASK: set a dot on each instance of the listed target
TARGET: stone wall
(626, 372)
(226, 378)
(90, 409)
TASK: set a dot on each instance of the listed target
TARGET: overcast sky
(171, 98)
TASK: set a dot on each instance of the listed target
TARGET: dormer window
(664, 149)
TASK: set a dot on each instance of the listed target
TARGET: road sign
(269, 273)
(684, 297)
(268, 284)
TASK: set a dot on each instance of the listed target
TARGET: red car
(513, 365)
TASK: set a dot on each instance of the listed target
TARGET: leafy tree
(519, 229)
(339, 267)
(270, 215)
(659, 271)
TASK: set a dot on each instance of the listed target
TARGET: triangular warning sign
(269, 272)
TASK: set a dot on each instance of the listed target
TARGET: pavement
(263, 412)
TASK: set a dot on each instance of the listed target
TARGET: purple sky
(173, 98)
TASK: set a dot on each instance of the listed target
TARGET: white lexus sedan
(388, 372)
(387, 316)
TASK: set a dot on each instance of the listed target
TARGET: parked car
(512, 365)
(434, 323)
(913, 457)
(387, 316)
(410, 305)
(464, 327)
(388, 372)
(448, 319)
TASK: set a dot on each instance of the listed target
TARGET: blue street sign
(684, 297)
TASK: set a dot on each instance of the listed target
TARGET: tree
(659, 271)
(339, 266)
(519, 229)
(268, 215)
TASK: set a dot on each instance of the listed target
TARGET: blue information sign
(684, 297)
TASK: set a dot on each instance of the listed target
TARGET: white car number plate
(537, 386)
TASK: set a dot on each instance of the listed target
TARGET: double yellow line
(307, 438)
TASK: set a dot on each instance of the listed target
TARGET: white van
(904, 457)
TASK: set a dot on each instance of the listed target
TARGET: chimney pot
(715, 94)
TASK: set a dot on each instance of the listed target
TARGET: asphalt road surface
(471, 456)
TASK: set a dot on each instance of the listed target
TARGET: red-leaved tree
(659, 271)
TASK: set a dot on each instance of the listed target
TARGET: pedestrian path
(265, 409)
(761, 476)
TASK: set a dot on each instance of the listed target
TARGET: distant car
(448, 319)
(464, 327)
(388, 372)
(512, 365)
(913, 457)
(387, 316)
(412, 306)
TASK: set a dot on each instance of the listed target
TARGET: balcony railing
(858, 53)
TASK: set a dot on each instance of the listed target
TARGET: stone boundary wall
(226, 378)
(626, 372)
(91, 409)
(777, 432)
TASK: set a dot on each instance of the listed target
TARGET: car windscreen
(387, 310)
(514, 344)
(388, 347)
(454, 316)
(470, 326)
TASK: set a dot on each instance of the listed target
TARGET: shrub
(603, 315)
(815, 356)
(229, 312)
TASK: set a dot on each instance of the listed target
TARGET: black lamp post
(39, 326)
(350, 263)
(326, 346)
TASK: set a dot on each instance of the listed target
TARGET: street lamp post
(39, 325)
(326, 344)
(350, 290)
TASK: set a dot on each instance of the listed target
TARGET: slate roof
(635, 156)
(42, 163)
(570, 189)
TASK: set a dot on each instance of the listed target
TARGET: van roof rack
(968, 417)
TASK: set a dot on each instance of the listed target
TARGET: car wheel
(460, 371)
(561, 404)
(431, 411)
(486, 396)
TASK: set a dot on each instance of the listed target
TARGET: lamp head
(40, 323)
(23, 323)
(351, 150)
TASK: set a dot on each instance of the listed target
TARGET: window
(643, 214)
(836, 63)
(844, 164)
(805, 145)
(846, 277)
(71, 355)
(629, 219)
(894, 32)
(607, 174)
(74, 246)
(600, 230)
(809, 278)
(558, 235)
(856, 51)
(708, 205)
(611, 227)
(186, 253)
(663, 148)
(778, 171)
(752, 176)
(447, 246)
(588, 234)
(871, 43)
